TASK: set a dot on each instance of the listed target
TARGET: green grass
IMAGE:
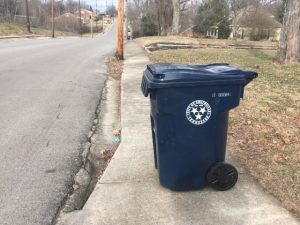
(265, 129)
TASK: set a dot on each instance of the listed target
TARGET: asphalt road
(49, 91)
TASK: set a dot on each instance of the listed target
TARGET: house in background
(67, 22)
(86, 15)
(254, 23)
(251, 23)
(107, 19)
(213, 32)
(189, 32)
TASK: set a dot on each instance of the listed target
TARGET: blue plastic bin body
(189, 118)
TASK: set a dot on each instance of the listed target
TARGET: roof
(85, 11)
(187, 29)
(257, 17)
(68, 15)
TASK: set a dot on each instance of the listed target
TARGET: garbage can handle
(154, 72)
(144, 87)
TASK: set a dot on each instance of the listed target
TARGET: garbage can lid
(165, 75)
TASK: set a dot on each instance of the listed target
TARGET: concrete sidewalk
(129, 191)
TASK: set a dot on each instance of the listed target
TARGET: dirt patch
(264, 131)
(114, 67)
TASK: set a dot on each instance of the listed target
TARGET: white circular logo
(198, 112)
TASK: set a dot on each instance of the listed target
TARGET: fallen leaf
(277, 158)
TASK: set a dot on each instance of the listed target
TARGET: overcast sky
(101, 4)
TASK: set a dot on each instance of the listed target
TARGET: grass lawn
(186, 40)
(264, 130)
(10, 29)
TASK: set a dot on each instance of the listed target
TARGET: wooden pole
(96, 18)
(103, 25)
(92, 26)
(52, 18)
(79, 10)
(126, 20)
(27, 16)
(121, 29)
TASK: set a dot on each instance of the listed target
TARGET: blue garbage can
(189, 118)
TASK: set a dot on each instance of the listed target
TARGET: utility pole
(79, 11)
(27, 16)
(126, 20)
(121, 29)
(96, 18)
(52, 18)
(103, 24)
(92, 26)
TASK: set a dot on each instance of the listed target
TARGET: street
(49, 90)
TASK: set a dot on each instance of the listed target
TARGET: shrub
(148, 27)
(224, 29)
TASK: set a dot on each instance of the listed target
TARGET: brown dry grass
(264, 130)
(11, 29)
(114, 67)
(169, 39)
(187, 40)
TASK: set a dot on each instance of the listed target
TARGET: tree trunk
(235, 25)
(165, 16)
(158, 13)
(289, 45)
(176, 17)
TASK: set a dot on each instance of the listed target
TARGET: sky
(101, 4)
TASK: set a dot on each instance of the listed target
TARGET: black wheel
(222, 176)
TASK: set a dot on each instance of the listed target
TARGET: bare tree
(136, 9)
(8, 9)
(168, 13)
(71, 6)
(164, 16)
(111, 10)
(178, 7)
(236, 6)
(289, 45)
(176, 17)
